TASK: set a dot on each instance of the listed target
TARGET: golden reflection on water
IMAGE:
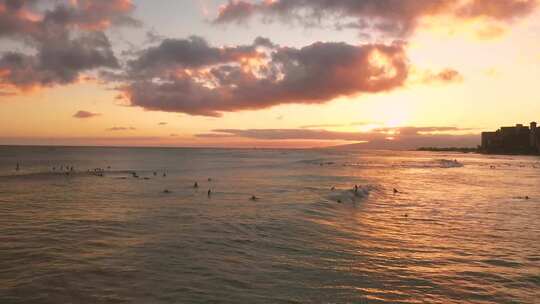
(451, 234)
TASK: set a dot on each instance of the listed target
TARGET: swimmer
(254, 198)
(166, 191)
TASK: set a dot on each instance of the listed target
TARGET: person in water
(254, 198)
(196, 185)
(209, 192)
(396, 191)
(18, 167)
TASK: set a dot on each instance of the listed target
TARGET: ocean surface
(461, 228)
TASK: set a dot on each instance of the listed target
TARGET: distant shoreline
(474, 150)
(449, 149)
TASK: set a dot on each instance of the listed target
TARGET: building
(519, 139)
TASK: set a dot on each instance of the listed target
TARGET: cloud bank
(403, 137)
(396, 18)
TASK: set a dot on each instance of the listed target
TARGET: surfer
(196, 185)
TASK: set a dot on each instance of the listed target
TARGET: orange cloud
(212, 80)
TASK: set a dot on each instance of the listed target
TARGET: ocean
(459, 228)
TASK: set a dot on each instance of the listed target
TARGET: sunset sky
(272, 73)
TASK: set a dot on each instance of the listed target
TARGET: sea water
(459, 228)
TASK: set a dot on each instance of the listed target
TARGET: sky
(266, 73)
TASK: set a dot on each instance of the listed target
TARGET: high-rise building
(518, 139)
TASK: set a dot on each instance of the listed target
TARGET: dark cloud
(22, 19)
(121, 129)
(93, 14)
(85, 114)
(207, 80)
(57, 61)
(395, 17)
(192, 53)
(67, 39)
(405, 137)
